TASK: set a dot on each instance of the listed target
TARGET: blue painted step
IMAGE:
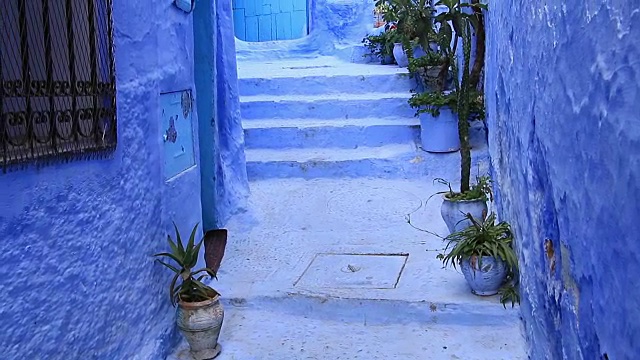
(331, 106)
(336, 133)
(324, 84)
(389, 161)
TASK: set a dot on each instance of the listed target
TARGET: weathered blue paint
(77, 274)
(223, 172)
(268, 20)
(178, 138)
(336, 27)
(563, 99)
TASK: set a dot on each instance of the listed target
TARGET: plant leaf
(172, 289)
(173, 268)
(173, 246)
(170, 255)
(209, 272)
(178, 239)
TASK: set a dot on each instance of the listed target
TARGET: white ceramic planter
(401, 57)
(439, 134)
(454, 213)
(486, 276)
(200, 323)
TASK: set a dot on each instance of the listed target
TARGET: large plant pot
(401, 57)
(439, 134)
(200, 323)
(418, 52)
(387, 60)
(427, 79)
(454, 212)
(486, 276)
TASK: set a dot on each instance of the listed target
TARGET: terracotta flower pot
(200, 323)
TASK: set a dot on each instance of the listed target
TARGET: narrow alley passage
(324, 264)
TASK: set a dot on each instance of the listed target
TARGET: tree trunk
(478, 64)
(444, 73)
(465, 156)
(463, 113)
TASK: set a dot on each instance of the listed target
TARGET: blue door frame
(269, 20)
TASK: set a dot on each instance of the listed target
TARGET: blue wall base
(563, 101)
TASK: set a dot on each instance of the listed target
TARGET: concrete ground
(330, 269)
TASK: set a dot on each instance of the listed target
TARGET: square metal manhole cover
(353, 271)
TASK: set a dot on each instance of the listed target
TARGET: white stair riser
(340, 84)
(326, 108)
(330, 136)
(442, 165)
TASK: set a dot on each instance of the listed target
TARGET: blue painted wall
(76, 268)
(563, 98)
(225, 187)
(268, 20)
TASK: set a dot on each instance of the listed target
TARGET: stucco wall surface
(76, 271)
(225, 187)
(563, 98)
(232, 185)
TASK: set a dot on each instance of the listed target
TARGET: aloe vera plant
(187, 285)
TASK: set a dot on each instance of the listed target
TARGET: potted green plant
(199, 314)
(413, 19)
(484, 253)
(437, 111)
(381, 46)
(465, 17)
(426, 71)
(456, 207)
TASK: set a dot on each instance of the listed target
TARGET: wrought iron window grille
(57, 93)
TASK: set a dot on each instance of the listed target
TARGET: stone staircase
(323, 264)
(321, 117)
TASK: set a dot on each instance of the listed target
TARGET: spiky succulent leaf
(173, 268)
(178, 260)
(178, 239)
(184, 285)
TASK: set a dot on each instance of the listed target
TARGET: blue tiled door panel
(268, 20)
(177, 125)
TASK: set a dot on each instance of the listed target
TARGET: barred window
(57, 93)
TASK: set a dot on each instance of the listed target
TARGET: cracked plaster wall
(563, 100)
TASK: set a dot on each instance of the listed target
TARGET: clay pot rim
(463, 201)
(198, 304)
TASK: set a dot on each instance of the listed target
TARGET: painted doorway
(269, 20)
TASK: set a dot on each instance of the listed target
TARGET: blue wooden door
(268, 20)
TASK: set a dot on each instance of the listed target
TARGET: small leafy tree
(463, 24)
(414, 19)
